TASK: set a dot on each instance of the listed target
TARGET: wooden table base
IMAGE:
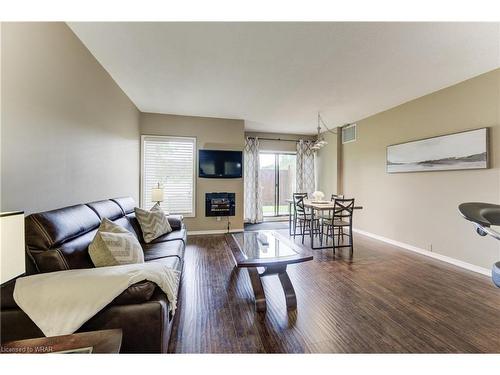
(258, 289)
(246, 255)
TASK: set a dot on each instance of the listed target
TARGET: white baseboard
(212, 231)
(444, 258)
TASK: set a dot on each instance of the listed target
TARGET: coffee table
(272, 252)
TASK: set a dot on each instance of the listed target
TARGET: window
(169, 161)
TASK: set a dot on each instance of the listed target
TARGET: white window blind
(169, 161)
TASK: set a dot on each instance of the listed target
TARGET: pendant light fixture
(320, 140)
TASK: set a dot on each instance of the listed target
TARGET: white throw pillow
(153, 223)
(114, 245)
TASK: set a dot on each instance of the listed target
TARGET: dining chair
(327, 214)
(341, 219)
(303, 217)
(298, 209)
(330, 212)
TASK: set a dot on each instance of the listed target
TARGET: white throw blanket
(60, 302)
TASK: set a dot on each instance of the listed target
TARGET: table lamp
(12, 252)
(157, 194)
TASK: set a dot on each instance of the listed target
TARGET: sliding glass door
(277, 179)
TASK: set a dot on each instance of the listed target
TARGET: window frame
(195, 162)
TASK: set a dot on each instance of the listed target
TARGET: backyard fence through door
(277, 181)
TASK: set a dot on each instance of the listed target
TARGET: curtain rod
(277, 139)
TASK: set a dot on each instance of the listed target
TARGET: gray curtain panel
(253, 195)
(305, 167)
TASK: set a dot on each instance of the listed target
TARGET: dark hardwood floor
(382, 300)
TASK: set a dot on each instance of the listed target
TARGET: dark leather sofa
(58, 240)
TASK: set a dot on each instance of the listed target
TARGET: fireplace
(219, 204)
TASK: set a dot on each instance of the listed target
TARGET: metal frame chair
(342, 218)
(303, 217)
(327, 215)
(298, 208)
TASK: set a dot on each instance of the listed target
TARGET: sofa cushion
(135, 224)
(49, 260)
(106, 209)
(176, 235)
(175, 221)
(69, 255)
(163, 250)
(114, 245)
(125, 223)
(153, 223)
(171, 262)
(48, 230)
(136, 293)
(127, 204)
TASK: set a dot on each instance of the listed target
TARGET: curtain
(252, 192)
(305, 167)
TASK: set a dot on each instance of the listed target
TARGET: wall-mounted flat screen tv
(220, 164)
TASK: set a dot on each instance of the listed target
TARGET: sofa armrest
(7, 296)
(175, 221)
(137, 293)
(146, 326)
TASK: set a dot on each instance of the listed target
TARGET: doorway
(277, 177)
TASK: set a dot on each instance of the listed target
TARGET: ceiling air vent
(348, 133)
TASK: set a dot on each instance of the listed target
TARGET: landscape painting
(465, 150)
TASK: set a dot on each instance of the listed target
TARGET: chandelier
(320, 142)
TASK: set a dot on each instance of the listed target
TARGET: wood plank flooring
(382, 300)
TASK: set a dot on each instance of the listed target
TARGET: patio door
(277, 181)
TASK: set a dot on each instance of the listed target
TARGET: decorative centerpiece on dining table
(318, 197)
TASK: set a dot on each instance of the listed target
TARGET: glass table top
(264, 245)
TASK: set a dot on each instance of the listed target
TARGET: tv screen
(220, 164)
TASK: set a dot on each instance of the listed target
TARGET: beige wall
(68, 133)
(420, 209)
(210, 133)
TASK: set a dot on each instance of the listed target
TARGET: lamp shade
(157, 194)
(12, 255)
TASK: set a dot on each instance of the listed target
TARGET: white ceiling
(276, 76)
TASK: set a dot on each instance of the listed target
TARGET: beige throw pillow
(114, 245)
(153, 223)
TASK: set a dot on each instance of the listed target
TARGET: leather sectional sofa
(58, 240)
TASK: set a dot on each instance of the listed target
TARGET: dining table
(314, 206)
